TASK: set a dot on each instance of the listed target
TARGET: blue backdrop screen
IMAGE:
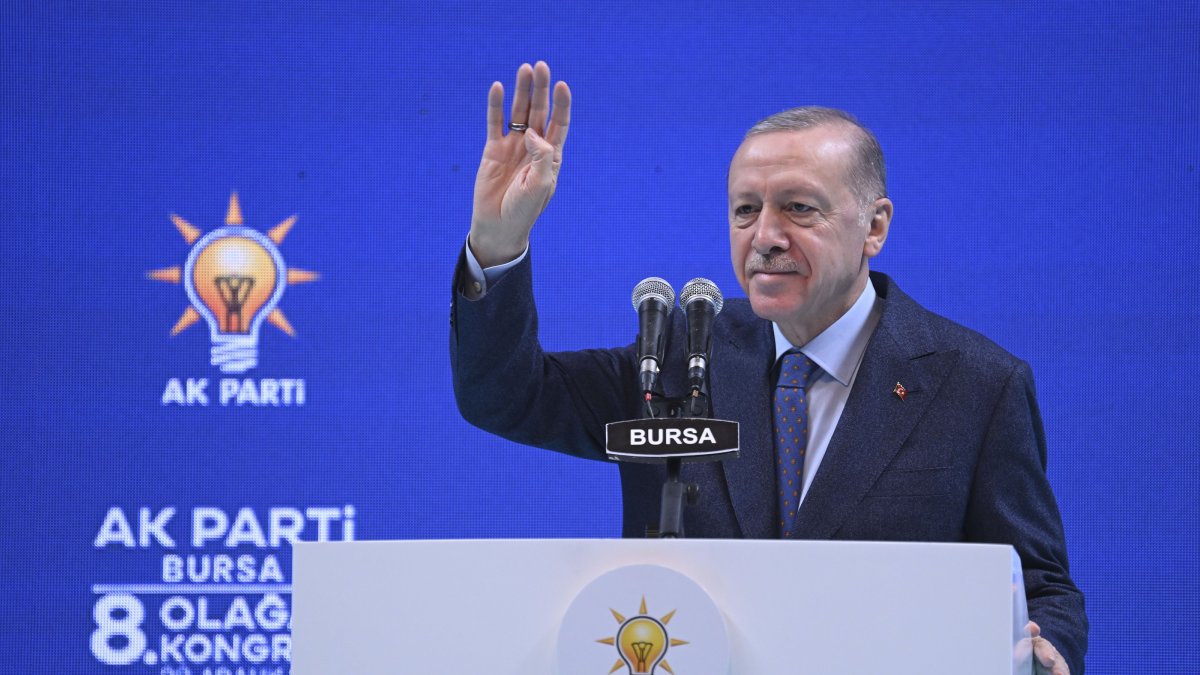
(1042, 157)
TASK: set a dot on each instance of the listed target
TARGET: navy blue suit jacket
(961, 458)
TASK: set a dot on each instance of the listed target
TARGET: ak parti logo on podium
(642, 641)
(234, 278)
(689, 638)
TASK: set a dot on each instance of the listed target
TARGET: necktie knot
(796, 370)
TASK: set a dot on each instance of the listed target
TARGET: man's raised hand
(519, 170)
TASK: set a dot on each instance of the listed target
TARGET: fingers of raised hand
(556, 133)
(521, 95)
(495, 112)
(531, 105)
(540, 104)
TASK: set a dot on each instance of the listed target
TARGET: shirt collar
(839, 348)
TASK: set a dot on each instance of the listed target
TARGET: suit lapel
(740, 374)
(876, 421)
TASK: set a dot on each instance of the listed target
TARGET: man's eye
(743, 210)
(797, 207)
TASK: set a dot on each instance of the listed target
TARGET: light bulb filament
(641, 652)
(234, 289)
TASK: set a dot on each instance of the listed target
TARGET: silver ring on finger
(517, 126)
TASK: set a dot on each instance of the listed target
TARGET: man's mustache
(771, 264)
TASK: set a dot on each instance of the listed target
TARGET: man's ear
(880, 219)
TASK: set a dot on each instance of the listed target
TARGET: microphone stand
(675, 493)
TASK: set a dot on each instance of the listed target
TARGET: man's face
(798, 235)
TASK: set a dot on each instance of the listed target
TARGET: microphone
(653, 298)
(702, 301)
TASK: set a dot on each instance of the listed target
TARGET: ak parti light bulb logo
(642, 642)
(234, 278)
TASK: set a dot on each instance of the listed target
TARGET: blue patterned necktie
(791, 435)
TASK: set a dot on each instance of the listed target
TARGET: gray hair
(868, 174)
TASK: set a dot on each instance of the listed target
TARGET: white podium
(496, 606)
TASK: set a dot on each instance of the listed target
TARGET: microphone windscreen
(701, 288)
(653, 287)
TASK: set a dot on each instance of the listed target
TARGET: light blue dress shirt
(838, 350)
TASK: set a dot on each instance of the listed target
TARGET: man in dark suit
(906, 426)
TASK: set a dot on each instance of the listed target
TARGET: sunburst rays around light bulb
(642, 642)
(234, 278)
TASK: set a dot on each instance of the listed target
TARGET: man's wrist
(491, 253)
(475, 278)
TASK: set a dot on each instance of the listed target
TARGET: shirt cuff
(480, 278)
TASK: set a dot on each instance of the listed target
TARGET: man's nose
(768, 232)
